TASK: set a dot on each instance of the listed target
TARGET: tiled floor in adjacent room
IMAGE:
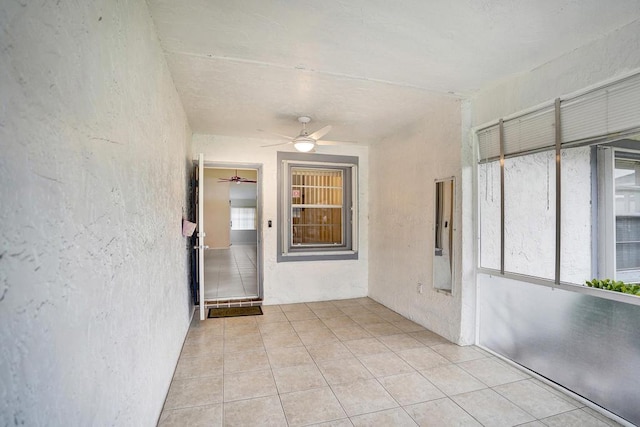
(351, 362)
(230, 272)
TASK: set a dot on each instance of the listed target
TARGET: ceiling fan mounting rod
(304, 120)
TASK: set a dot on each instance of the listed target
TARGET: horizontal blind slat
(608, 110)
(489, 142)
(530, 132)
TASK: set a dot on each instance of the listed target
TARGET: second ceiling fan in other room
(305, 141)
(237, 179)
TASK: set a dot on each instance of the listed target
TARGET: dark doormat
(255, 310)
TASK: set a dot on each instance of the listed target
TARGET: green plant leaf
(615, 286)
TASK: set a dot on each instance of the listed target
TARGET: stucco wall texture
(94, 303)
(530, 192)
(529, 224)
(605, 59)
(402, 214)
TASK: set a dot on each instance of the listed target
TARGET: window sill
(571, 287)
(318, 256)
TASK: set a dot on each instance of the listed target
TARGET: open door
(201, 234)
(233, 266)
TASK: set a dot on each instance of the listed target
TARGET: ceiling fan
(305, 141)
(237, 179)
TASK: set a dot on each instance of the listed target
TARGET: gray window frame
(605, 209)
(349, 166)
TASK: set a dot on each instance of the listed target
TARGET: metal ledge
(571, 287)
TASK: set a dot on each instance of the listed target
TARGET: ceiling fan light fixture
(304, 145)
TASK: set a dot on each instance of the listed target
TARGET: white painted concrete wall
(94, 302)
(576, 220)
(489, 201)
(532, 228)
(402, 214)
(290, 282)
(530, 215)
(609, 58)
(604, 59)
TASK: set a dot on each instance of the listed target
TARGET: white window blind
(489, 143)
(609, 110)
(530, 132)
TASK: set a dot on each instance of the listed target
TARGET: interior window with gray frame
(317, 207)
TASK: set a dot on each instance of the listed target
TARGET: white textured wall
(94, 301)
(489, 200)
(609, 58)
(290, 282)
(402, 213)
(606, 59)
(576, 228)
(613, 55)
(530, 215)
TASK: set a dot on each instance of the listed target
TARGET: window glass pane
(529, 214)
(316, 187)
(627, 210)
(243, 218)
(316, 203)
(489, 202)
(576, 216)
(313, 226)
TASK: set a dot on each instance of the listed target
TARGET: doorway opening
(230, 240)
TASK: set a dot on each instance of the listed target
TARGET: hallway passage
(351, 363)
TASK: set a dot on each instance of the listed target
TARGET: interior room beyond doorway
(231, 227)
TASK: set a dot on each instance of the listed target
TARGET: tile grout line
(392, 349)
(272, 375)
(415, 370)
(330, 386)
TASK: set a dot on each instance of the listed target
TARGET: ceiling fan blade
(237, 180)
(279, 143)
(326, 142)
(320, 132)
(279, 135)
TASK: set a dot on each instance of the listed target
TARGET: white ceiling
(365, 67)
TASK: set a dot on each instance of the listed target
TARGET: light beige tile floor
(351, 363)
(230, 272)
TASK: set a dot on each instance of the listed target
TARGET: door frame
(259, 229)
